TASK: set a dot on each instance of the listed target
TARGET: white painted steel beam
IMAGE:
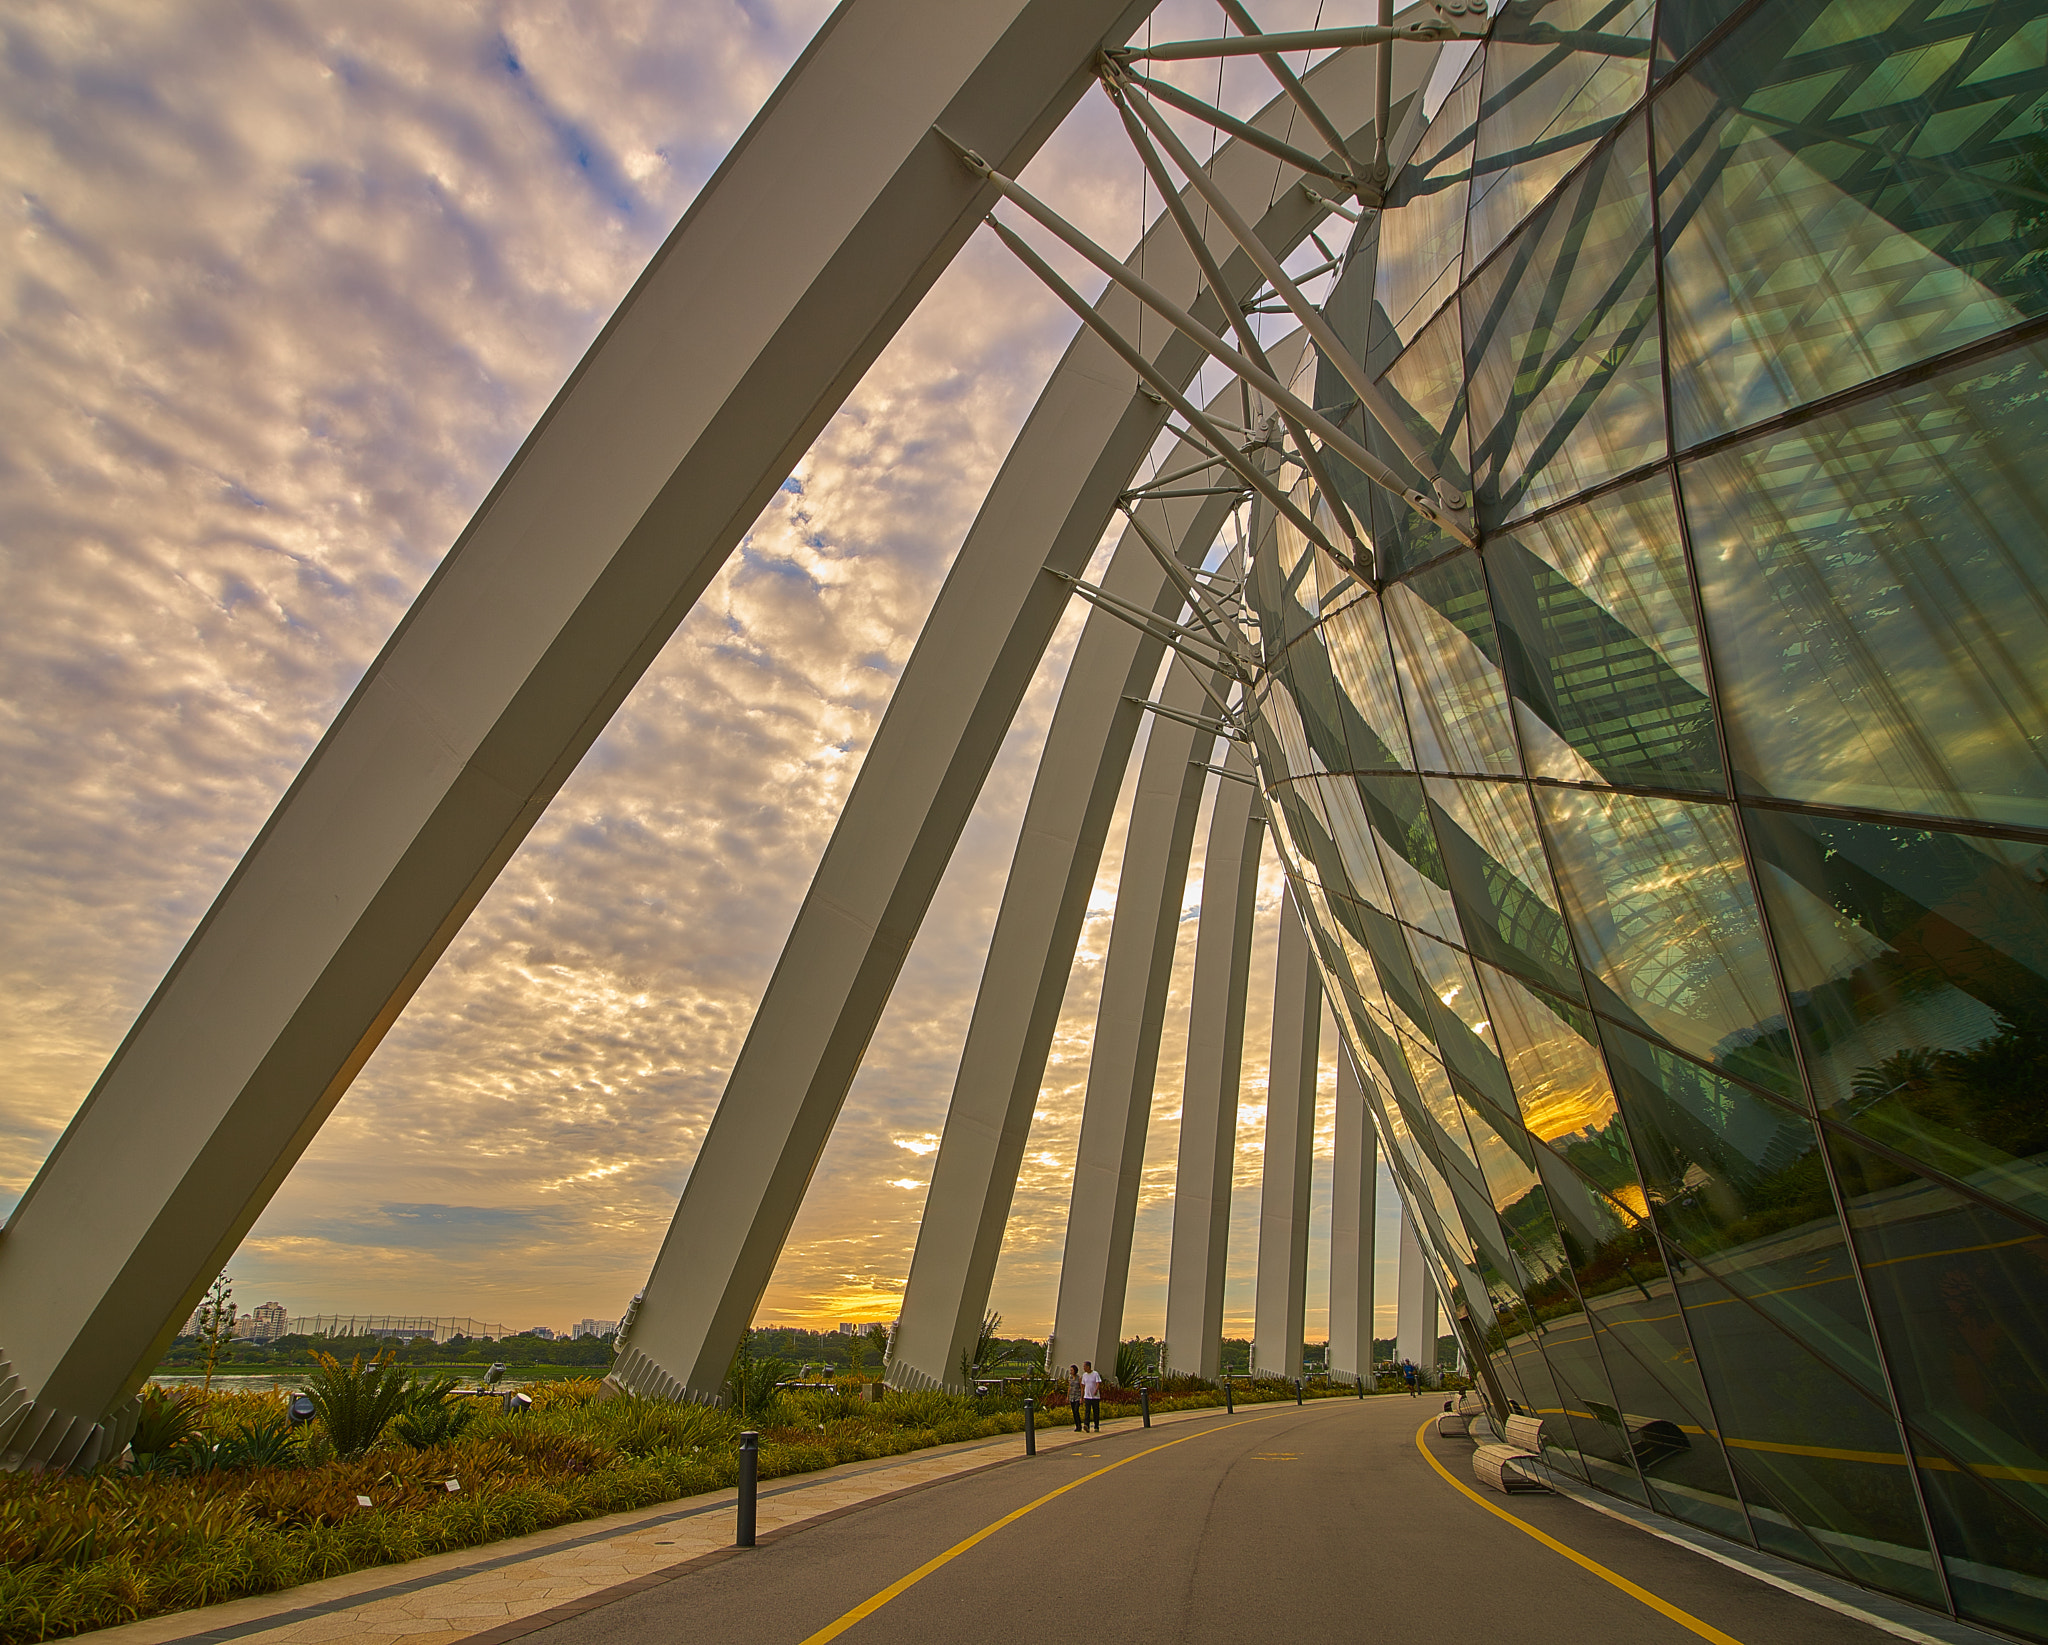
(652, 462)
(1280, 1302)
(1209, 1087)
(1130, 1013)
(1354, 1179)
(994, 616)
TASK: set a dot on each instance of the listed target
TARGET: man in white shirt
(1091, 1394)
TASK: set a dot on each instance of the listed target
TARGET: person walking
(1409, 1376)
(1074, 1394)
(1091, 1393)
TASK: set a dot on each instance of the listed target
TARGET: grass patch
(85, 1551)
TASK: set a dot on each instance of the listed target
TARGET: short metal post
(1145, 1402)
(750, 1482)
(1030, 1427)
(1297, 1390)
(1229, 1396)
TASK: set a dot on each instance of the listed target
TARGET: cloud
(281, 290)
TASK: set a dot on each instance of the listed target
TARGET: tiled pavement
(505, 1589)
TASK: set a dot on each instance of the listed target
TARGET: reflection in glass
(1876, 593)
(1493, 856)
(1961, 1297)
(1450, 670)
(1661, 906)
(1839, 201)
(1422, 231)
(1561, 339)
(1918, 969)
(1599, 643)
(1544, 102)
(1426, 386)
(1363, 665)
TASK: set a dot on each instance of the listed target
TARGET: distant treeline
(523, 1349)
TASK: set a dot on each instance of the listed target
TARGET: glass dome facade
(1677, 861)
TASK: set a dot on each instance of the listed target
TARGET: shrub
(434, 1414)
(356, 1402)
(165, 1421)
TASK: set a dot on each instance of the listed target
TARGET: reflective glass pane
(1844, 193)
(1450, 671)
(1599, 643)
(1426, 388)
(1917, 964)
(1561, 340)
(1820, 1462)
(1486, 836)
(1368, 697)
(1552, 1059)
(1408, 854)
(1662, 909)
(1304, 669)
(1876, 594)
(1362, 877)
(1422, 233)
(1545, 101)
(1683, 24)
(1960, 1292)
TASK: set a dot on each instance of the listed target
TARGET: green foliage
(356, 1402)
(750, 1383)
(164, 1422)
(1131, 1364)
(434, 1414)
(216, 1324)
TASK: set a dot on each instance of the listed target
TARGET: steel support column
(991, 624)
(1209, 1087)
(1031, 951)
(1124, 1057)
(1354, 1179)
(651, 463)
(1281, 1297)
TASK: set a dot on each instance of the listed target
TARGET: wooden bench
(1502, 1467)
(1525, 1433)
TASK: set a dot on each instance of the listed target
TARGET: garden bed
(79, 1552)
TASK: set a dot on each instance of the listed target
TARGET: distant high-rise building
(266, 1321)
(847, 1327)
(593, 1328)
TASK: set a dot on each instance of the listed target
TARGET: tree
(878, 1335)
(972, 1361)
(216, 1323)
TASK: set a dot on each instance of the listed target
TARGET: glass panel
(1420, 242)
(1598, 641)
(1450, 671)
(1663, 913)
(1683, 24)
(1427, 388)
(1360, 863)
(1918, 969)
(1820, 1462)
(1277, 731)
(1561, 340)
(1458, 1015)
(1368, 697)
(1408, 853)
(1282, 586)
(1486, 836)
(1305, 671)
(1553, 1065)
(1405, 994)
(1844, 194)
(1544, 102)
(1876, 593)
(1961, 1297)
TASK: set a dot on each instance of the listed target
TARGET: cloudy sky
(282, 287)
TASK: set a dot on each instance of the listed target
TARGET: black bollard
(1030, 1427)
(1229, 1397)
(1297, 1390)
(1145, 1402)
(750, 1481)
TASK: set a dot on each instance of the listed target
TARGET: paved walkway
(1325, 1522)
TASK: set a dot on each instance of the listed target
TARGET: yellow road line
(1663, 1607)
(868, 1607)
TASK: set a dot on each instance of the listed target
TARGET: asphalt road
(1277, 1524)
